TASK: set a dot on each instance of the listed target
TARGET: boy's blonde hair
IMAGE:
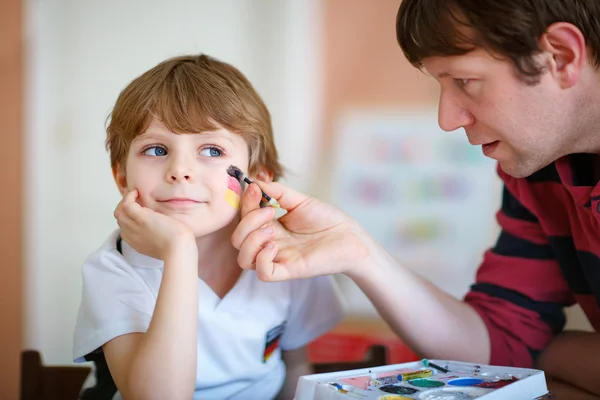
(192, 94)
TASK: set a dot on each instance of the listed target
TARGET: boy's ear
(120, 178)
(264, 175)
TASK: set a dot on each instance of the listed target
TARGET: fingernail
(269, 245)
(267, 210)
(268, 229)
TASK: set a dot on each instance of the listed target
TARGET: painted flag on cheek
(233, 192)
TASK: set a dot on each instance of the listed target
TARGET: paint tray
(464, 381)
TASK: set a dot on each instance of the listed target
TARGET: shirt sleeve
(316, 307)
(115, 301)
(520, 292)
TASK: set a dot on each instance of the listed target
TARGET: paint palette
(425, 380)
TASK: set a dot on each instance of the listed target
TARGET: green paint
(426, 383)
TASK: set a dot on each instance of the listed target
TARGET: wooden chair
(41, 382)
(375, 357)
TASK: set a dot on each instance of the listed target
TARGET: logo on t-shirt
(272, 341)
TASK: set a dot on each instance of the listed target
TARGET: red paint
(234, 185)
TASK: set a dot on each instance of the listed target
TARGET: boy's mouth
(179, 199)
(180, 202)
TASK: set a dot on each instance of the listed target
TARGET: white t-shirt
(240, 337)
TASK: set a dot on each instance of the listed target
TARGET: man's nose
(451, 115)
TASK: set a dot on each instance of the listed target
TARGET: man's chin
(520, 170)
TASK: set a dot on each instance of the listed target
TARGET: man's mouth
(489, 148)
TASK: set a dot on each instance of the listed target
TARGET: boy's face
(185, 175)
(524, 127)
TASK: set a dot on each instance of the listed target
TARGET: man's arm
(430, 321)
(510, 315)
(296, 364)
(574, 357)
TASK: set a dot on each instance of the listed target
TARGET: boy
(164, 298)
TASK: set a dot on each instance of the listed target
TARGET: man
(522, 78)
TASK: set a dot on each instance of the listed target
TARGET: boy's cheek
(142, 198)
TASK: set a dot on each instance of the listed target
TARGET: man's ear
(565, 44)
(120, 178)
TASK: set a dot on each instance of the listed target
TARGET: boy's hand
(147, 231)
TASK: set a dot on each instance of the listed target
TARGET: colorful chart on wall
(427, 195)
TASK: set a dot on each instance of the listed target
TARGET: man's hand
(147, 231)
(313, 238)
(574, 357)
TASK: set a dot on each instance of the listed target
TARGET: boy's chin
(207, 228)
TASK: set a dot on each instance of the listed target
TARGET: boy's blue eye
(211, 152)
(155, 151)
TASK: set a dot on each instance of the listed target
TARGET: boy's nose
(184, 177)
(179, 172)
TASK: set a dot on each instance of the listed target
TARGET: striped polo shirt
(546, 258)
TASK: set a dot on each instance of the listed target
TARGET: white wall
(81, 54)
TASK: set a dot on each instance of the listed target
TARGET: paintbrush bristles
(235, 172)
(241, 177)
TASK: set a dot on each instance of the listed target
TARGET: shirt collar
(138, 259)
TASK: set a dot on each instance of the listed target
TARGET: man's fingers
(253, 221)
(253, 245)
(288, 199)
(250, 200)
(265, 262)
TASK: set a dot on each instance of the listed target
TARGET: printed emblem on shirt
(272, 341)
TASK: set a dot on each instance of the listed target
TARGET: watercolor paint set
(425, 380)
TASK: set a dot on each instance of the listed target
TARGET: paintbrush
(240, 176)
(428, 363)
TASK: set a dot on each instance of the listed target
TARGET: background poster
(426, 195)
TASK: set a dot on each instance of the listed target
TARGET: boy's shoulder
(107, 258)
(109, 245)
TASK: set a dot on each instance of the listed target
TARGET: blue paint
(465, 381)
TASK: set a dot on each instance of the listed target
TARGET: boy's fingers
(131, 207)
(125, 222)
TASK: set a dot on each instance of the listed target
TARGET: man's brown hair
(506, 28)
(192, 94)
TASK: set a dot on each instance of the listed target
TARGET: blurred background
(355, 125)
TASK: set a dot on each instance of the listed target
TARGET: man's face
(185, 175)
(524, 127)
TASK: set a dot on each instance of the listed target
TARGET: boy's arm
(573, 357)
(161, 363)
(296, 363)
